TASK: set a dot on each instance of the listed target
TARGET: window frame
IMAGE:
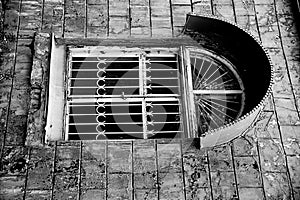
(56, 128)
(56, 117)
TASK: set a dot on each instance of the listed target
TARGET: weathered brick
(119, 157)
(291, 139)
(224, 192)
(276, 186)
(251, 193)
(202, 6)
(286, 110)
(183, 2)
(12, 185)
(220, 159)
(140, 16)
(96, 31)
(282, 86)
(124, 193)
(96, 1)
(67, 183)
(248, 22)
(93, 175)
(171, 185)
(119, 181)
(164, 32)
(68, 167)
(140, 32)
(38, 194)
(92, 194)
(75, 8)
(220, 179)
(179, 14)
(277, 60)
(119, 8)
(196, 173)
(244, 7)
(40, 169)
(66, 194)
(198, 193)
(139, 2)
(74, 27)
(160, 11)
(146, 180)
(16, 128)
(97, 15)
(150, 194)
(271, 155)
(284, 7)
(169, 157)
(247, 170)
(118, 27)
(94, 151)
(245, 146)
(293, 164)
(225, 11)
(144, 165)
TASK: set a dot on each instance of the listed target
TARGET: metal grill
(218, 92)
(123, 95)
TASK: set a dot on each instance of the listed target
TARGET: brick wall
(260, 165)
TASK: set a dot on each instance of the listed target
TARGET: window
(148, 93)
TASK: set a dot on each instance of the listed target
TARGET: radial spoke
(223, 83)
(219, 77)
(198, 84)
(196, 80)
(205, 73)
(225, 100)
(211, 117)
(217, 111)
(194, 65)
(206, 110)
(206, 105)
(215, 103)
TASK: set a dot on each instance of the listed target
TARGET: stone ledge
(39, 86)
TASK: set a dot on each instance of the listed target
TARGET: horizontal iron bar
(126, 86)
(105, 61)
(103, 78)
(123, 61)
(112, 105)
(109, 114)
(163, 86)
(108, 123)
(217, 92)
(176, 122)
(110, 133)
(95, 70)
(96, 87)
(162, 69)
(152, 78)
(128, 98)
